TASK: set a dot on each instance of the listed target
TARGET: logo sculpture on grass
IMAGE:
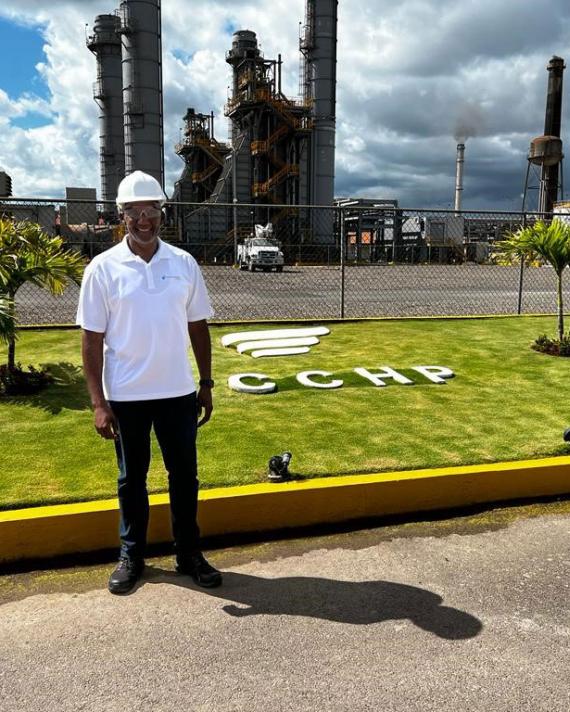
(276, 342)
(289, 342)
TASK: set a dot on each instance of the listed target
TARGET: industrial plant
(282, 149)
(128, 91)
(280, 157)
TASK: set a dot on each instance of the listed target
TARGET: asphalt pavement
(462, 614)
(369, 291)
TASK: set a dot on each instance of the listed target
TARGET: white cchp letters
(383, 373)
(435, 374)
(289, 342)
(236, 383)
(304, 379)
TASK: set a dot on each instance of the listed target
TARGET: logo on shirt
(170, 276)
(275, 342)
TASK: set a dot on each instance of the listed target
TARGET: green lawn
(506, 402)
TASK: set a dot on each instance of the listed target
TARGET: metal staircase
(287, 171)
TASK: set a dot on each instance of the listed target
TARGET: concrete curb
(43, 532)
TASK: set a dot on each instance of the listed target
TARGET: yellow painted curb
(42, 532)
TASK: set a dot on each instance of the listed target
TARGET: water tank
(545, 150)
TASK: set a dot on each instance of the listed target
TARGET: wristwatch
(208, 382)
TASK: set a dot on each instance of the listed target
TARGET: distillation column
(142, 87)
(320, 65)
(105, 44)
(244, 56)
(550, 173)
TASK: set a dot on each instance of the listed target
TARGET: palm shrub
(549, 242)
(28, 254)
(7, 326)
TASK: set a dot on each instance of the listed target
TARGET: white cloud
(406, 72)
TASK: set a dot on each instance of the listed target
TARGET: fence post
(342, 260)
(90, 241)
(235, 224)
(234, 200)
(521, 273)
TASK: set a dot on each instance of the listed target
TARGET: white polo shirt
(143, 308)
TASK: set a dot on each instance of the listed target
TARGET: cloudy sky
(408, 74)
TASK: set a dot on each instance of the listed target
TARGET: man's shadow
(355, 602)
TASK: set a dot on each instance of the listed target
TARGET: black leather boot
(196, 566)
(125, 576)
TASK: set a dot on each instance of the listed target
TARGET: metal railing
(341, 262)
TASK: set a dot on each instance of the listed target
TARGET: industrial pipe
(459, 176)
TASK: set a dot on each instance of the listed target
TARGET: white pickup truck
(260, 252)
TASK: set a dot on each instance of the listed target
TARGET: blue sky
(407, 73)
(21, 49)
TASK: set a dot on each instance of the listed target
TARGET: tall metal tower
(459, 161)
(552, 121)
(275, 128)
(105, 44)
(318, 47)
(140, 28)
(203, 155)
(545, 151)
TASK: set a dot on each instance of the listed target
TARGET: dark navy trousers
(175, 424)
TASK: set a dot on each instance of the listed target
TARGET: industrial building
(128, 91)
(80, 206)
(5, 185)
(281, 153)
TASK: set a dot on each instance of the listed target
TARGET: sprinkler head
(278, 467)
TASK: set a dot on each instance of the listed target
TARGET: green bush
(553, 347)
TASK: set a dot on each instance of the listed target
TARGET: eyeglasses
(147, 211)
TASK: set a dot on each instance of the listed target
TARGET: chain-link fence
(349, 261)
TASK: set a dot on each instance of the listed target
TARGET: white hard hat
(139, 186)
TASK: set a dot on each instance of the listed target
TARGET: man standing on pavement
(142, 304)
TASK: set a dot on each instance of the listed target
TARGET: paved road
(370, 291)
(467, 614)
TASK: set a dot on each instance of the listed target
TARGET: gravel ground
(463, 614)
(370, 291)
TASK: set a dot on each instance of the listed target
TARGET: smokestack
(459, 176)
(142, 87)
(549, 178)
(319, 48)
(553, 114)
(108, 93)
